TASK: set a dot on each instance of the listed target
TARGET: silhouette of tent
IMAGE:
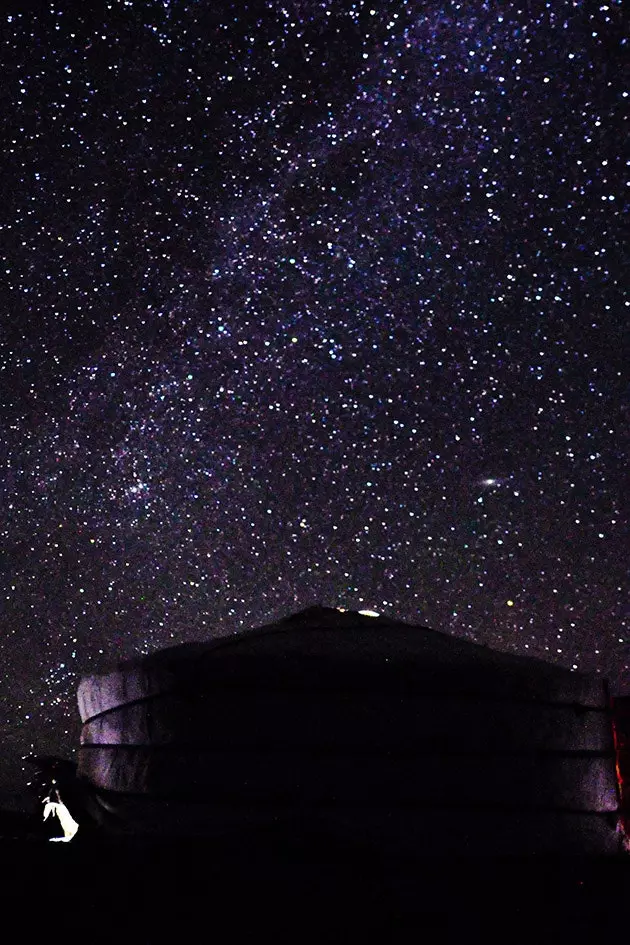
(377, 732)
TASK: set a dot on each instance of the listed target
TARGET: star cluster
(308, 302)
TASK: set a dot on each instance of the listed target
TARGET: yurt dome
(380, 732)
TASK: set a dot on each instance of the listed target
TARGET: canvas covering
(376, 727)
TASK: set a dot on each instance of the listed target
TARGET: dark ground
(252, 888)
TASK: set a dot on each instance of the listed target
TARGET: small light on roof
(369, 613)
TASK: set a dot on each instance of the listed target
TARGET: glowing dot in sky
(510, 603)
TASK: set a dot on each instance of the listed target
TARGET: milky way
(307, 302)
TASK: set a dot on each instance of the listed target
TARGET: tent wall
(395, 734)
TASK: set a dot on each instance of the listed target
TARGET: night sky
(307, 302)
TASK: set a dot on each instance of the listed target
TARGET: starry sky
(307, 301)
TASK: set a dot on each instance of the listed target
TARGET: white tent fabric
(396, 734)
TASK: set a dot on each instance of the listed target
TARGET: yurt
(380, 733)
